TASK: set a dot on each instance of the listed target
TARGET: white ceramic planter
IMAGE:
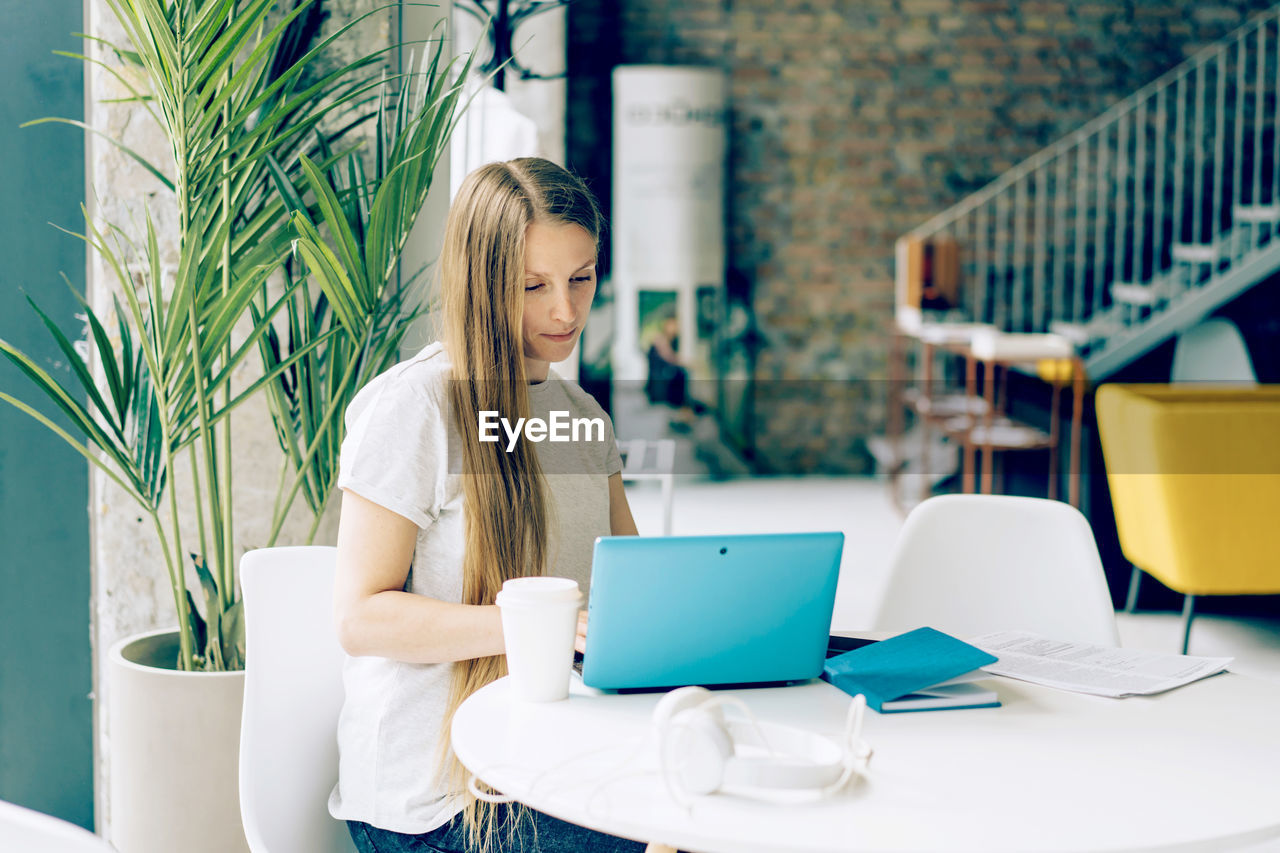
(174, 751)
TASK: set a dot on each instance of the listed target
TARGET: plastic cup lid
(539, 590)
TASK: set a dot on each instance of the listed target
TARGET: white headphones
(697, 748)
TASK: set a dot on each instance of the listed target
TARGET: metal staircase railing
(1135, 225)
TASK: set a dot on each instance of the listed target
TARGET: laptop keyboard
(840, 645)
(835, 646)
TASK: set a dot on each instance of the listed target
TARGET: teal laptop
(710, 610)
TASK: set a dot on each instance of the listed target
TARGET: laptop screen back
(710, 610)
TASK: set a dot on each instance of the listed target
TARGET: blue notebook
(916, 671)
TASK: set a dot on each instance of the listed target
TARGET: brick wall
(852, 122)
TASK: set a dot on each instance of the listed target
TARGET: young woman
(434, 519)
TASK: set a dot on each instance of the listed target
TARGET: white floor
(860, 508)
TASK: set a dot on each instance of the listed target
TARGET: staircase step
(1078, 333)
(1251, 213)
(1098, 327)
(1197, 253)
(1130, 293)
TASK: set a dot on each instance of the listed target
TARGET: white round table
(1197, 768)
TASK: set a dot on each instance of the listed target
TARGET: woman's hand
(580, 641)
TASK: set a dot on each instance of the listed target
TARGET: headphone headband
(698, 748)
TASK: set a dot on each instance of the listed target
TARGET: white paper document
(1084, 668)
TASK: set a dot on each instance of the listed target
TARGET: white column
(669, 145)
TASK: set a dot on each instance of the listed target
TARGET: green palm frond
(254, 141)
(349, 240)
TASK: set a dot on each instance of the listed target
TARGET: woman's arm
(375, 616)
(620, 521)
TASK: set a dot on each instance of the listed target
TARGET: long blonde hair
(505, 505)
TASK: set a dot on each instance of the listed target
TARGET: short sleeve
(396, 449)
(613, 458)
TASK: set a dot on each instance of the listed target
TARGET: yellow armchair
(1194, 473)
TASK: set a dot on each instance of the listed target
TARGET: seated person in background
(668, 378)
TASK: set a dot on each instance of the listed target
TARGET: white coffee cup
(539, 624)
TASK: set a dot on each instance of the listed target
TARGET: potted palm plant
(363, 306)
(287, 251)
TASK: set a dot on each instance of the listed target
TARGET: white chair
(971, 564)
(292, 696)
(23, 830)
(639, 464)
(1212, 351)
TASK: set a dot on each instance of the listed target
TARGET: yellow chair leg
(1188, 613)
(1131, 601)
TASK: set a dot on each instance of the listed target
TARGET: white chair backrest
(292, 696)
(1212, 351)
(22, 830)
(971, 564)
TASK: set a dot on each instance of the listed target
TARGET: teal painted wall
(46, 741)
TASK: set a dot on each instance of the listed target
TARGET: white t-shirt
(402, 452)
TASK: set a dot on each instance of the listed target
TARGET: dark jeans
(537, 833)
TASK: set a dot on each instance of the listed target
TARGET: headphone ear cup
(680, 699)
(699, 747)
